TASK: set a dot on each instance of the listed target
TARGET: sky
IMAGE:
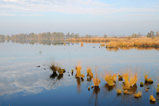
(95, 17)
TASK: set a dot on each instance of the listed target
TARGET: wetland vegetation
(81, 68)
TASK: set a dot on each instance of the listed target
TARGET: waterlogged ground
(26, 79)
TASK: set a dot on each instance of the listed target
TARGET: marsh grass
(102, 44)
(96, 80)
(120, 78)
(119, 91)
(141, 84)
(130, 78)
(143, 42)
(152, 99)
(148, 80)
(89, 72)
(61, 71)
(137, 95)
(78, 71)
(110, 79)
(54, 67)
(82, 44)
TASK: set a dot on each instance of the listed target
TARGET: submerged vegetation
(89, 72)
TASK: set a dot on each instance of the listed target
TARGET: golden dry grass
(119, 91)
(110, 79)
(89, 72)
(130, 77)
(134, 42)
(130, 80)
(148, 80)
(152, 98)
(137, 95)
(82, 44)
(121, 42)
(157, 90)
(54, 67)
(61, 71)
(78, 71)
(96, 80)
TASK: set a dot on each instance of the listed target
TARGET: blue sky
(96, 17)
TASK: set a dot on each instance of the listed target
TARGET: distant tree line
(152, 34)
(60, 35)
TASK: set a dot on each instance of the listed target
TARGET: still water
(26, 79)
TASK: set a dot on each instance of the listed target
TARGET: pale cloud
(11, 7)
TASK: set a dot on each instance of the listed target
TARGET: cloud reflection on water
(25, 77)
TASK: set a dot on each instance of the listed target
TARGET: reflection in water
(78, 85)
(79, 80)
(64, 42)
(20, 76)
(95, 95)
(53, 75)
(108, 88)
(60, 76)
(115, 49)
(42, 41)
(89, 79)
(112, 49)
(28, 80)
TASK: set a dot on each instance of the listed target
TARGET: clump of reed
(157, 90)
(54, 67)
(110, 79)
(148, 80)
(61, 71)
(141, 84)
(120, 78)
(127, 92)
(89, 72)
(78, 70)
(82, 44)
(72, 72)
(157, 84)
(119, 91)
(130, 80)
(96, 80)
(89, 88)
(102, 44)
(152, 99)
(137, 95)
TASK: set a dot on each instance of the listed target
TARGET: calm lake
(27, 80)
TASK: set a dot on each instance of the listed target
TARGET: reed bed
(120, 42)
(134, 42)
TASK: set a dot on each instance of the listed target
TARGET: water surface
(26, 78)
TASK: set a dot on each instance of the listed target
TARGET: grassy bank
(121, 42)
